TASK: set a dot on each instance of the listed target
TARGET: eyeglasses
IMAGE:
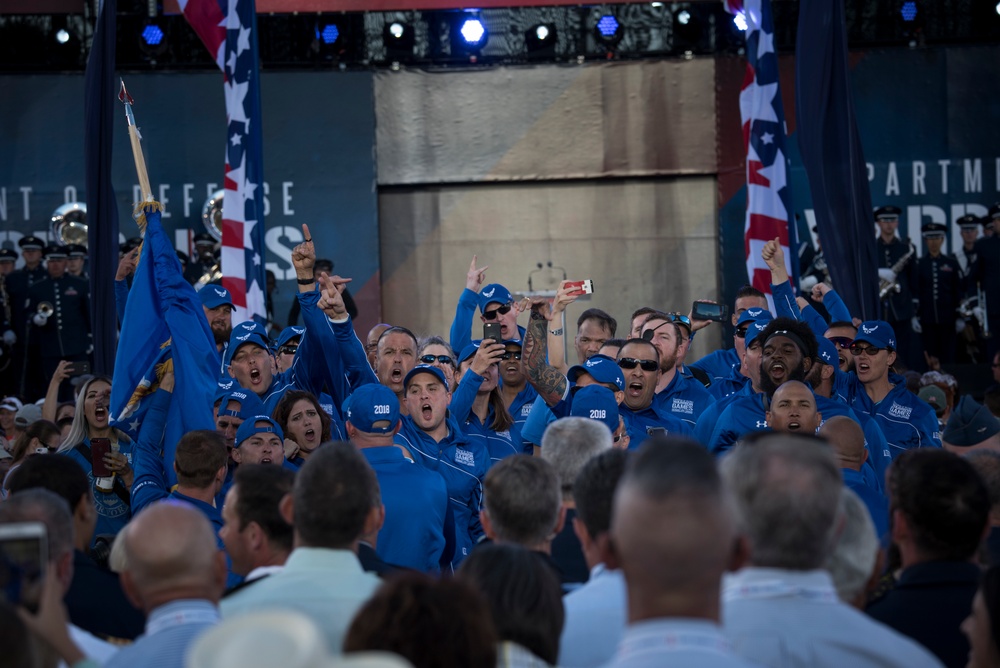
(631, 363)
(443, 359)
(512, 355)
(741, 332)
(492, 315)
(681, 318)
(871, 351)
(842, 342)
(287, 350)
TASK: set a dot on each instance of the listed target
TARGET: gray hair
(521, 498)
(787, 492)
(853, 557)
(569, 443)
(41, 505)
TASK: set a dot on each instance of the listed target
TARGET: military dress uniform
(66, 334)
(17, 284)
(939, 290)
(897, 307)
(967, 257)
(986, 274)
(203, 260)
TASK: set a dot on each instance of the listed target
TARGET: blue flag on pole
(102, 208)
(164, 328)
(832, 155)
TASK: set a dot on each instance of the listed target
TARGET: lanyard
(777, 589)
(181, 617)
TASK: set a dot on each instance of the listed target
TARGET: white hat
(12, 404)
(276, 638)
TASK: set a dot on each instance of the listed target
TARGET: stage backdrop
(319, 166)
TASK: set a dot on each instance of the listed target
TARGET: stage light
(152, 35)
(909, 11)
(540, 40)
(396, 30)
(399, 40)
(687, 32)
(329, 33)
(684, 17)
(468, 35)
(741, 21)
(608, 28)
(62, 35)
(473, 32)
(998, 8)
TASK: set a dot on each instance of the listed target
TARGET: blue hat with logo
(249, 403)
(879, 333)
(289, 333)
(425, 368)
(247, 331)
(597, 403)
(601, 368)
(469, 351)
(213, 296)
(754, 314)
(827, 353)
(494, 292)
(249, 428)
(370, 404)
(754, 330)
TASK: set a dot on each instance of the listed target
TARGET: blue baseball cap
(597, 403)
(469, 351)
(289, 333)
(250, 404)
(425, 368)
(754, 314)
(372, 403)
(601, 368)
(247, 332)
(213, 296)
(879, 333)
(754, 328)
(827, 352)
(249, 428)
(494, 292)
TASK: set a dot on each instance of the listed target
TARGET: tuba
(69, 224)
(211, 218)
(886, 287)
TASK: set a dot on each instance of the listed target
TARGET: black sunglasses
(631, 363)
(842, 342)
(871, 351)
(741, 332)
(287, 350)
(491, 315)
(443, 359)
(511, 355)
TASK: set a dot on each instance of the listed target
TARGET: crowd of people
(791, 500)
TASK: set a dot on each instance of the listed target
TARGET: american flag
(763, 116)
(228, 29)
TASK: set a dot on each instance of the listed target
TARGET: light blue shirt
(676, 642)
(786, 619)
(328, 586)
(171, 630)
(595, 619)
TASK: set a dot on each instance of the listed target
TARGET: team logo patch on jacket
(901, 412)
(464, 457)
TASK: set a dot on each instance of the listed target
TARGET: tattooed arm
(548, 381)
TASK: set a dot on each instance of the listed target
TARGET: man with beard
(436, 441)
(841, 334)
(789, 348)
(685, 398)
(719, 364)
(218, 305)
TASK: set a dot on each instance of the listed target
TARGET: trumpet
(45, 310)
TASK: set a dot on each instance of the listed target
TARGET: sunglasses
(871, 351)
(443, 359)
(681, 318)
(741, 332)
(492, 315)
(512, 355)
(287, 350)
(842, 342)
(645, 365)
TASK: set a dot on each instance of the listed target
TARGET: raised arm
(781, 288)
(550, 384)
(461, 326)
(557, 342)
(352, 352)
(51, 404)
(150, 483)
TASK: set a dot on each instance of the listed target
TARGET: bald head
(673, 530)
(793, 409)
(847, 440)
(172, 553)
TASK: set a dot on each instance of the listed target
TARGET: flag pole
(146, 201)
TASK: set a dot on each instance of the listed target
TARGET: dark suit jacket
(929, 603)
(96, 602)
(371, 562)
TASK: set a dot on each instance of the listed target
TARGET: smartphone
(98, 448)
(656, 431)
(586, 287)
(705, 311)
(79, 368)
(23, 557)
(491, 330)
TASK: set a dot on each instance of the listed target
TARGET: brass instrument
(45, 310)
(211, 218)
(885, 286)
(69, 224)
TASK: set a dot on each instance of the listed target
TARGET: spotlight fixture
(740, 20)
(608, 29)
(399, 41)
(687, 31)
(908, 11)
(468, 35)
(152, 39)
(329, 33)
(540, 40)
(62, 35)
